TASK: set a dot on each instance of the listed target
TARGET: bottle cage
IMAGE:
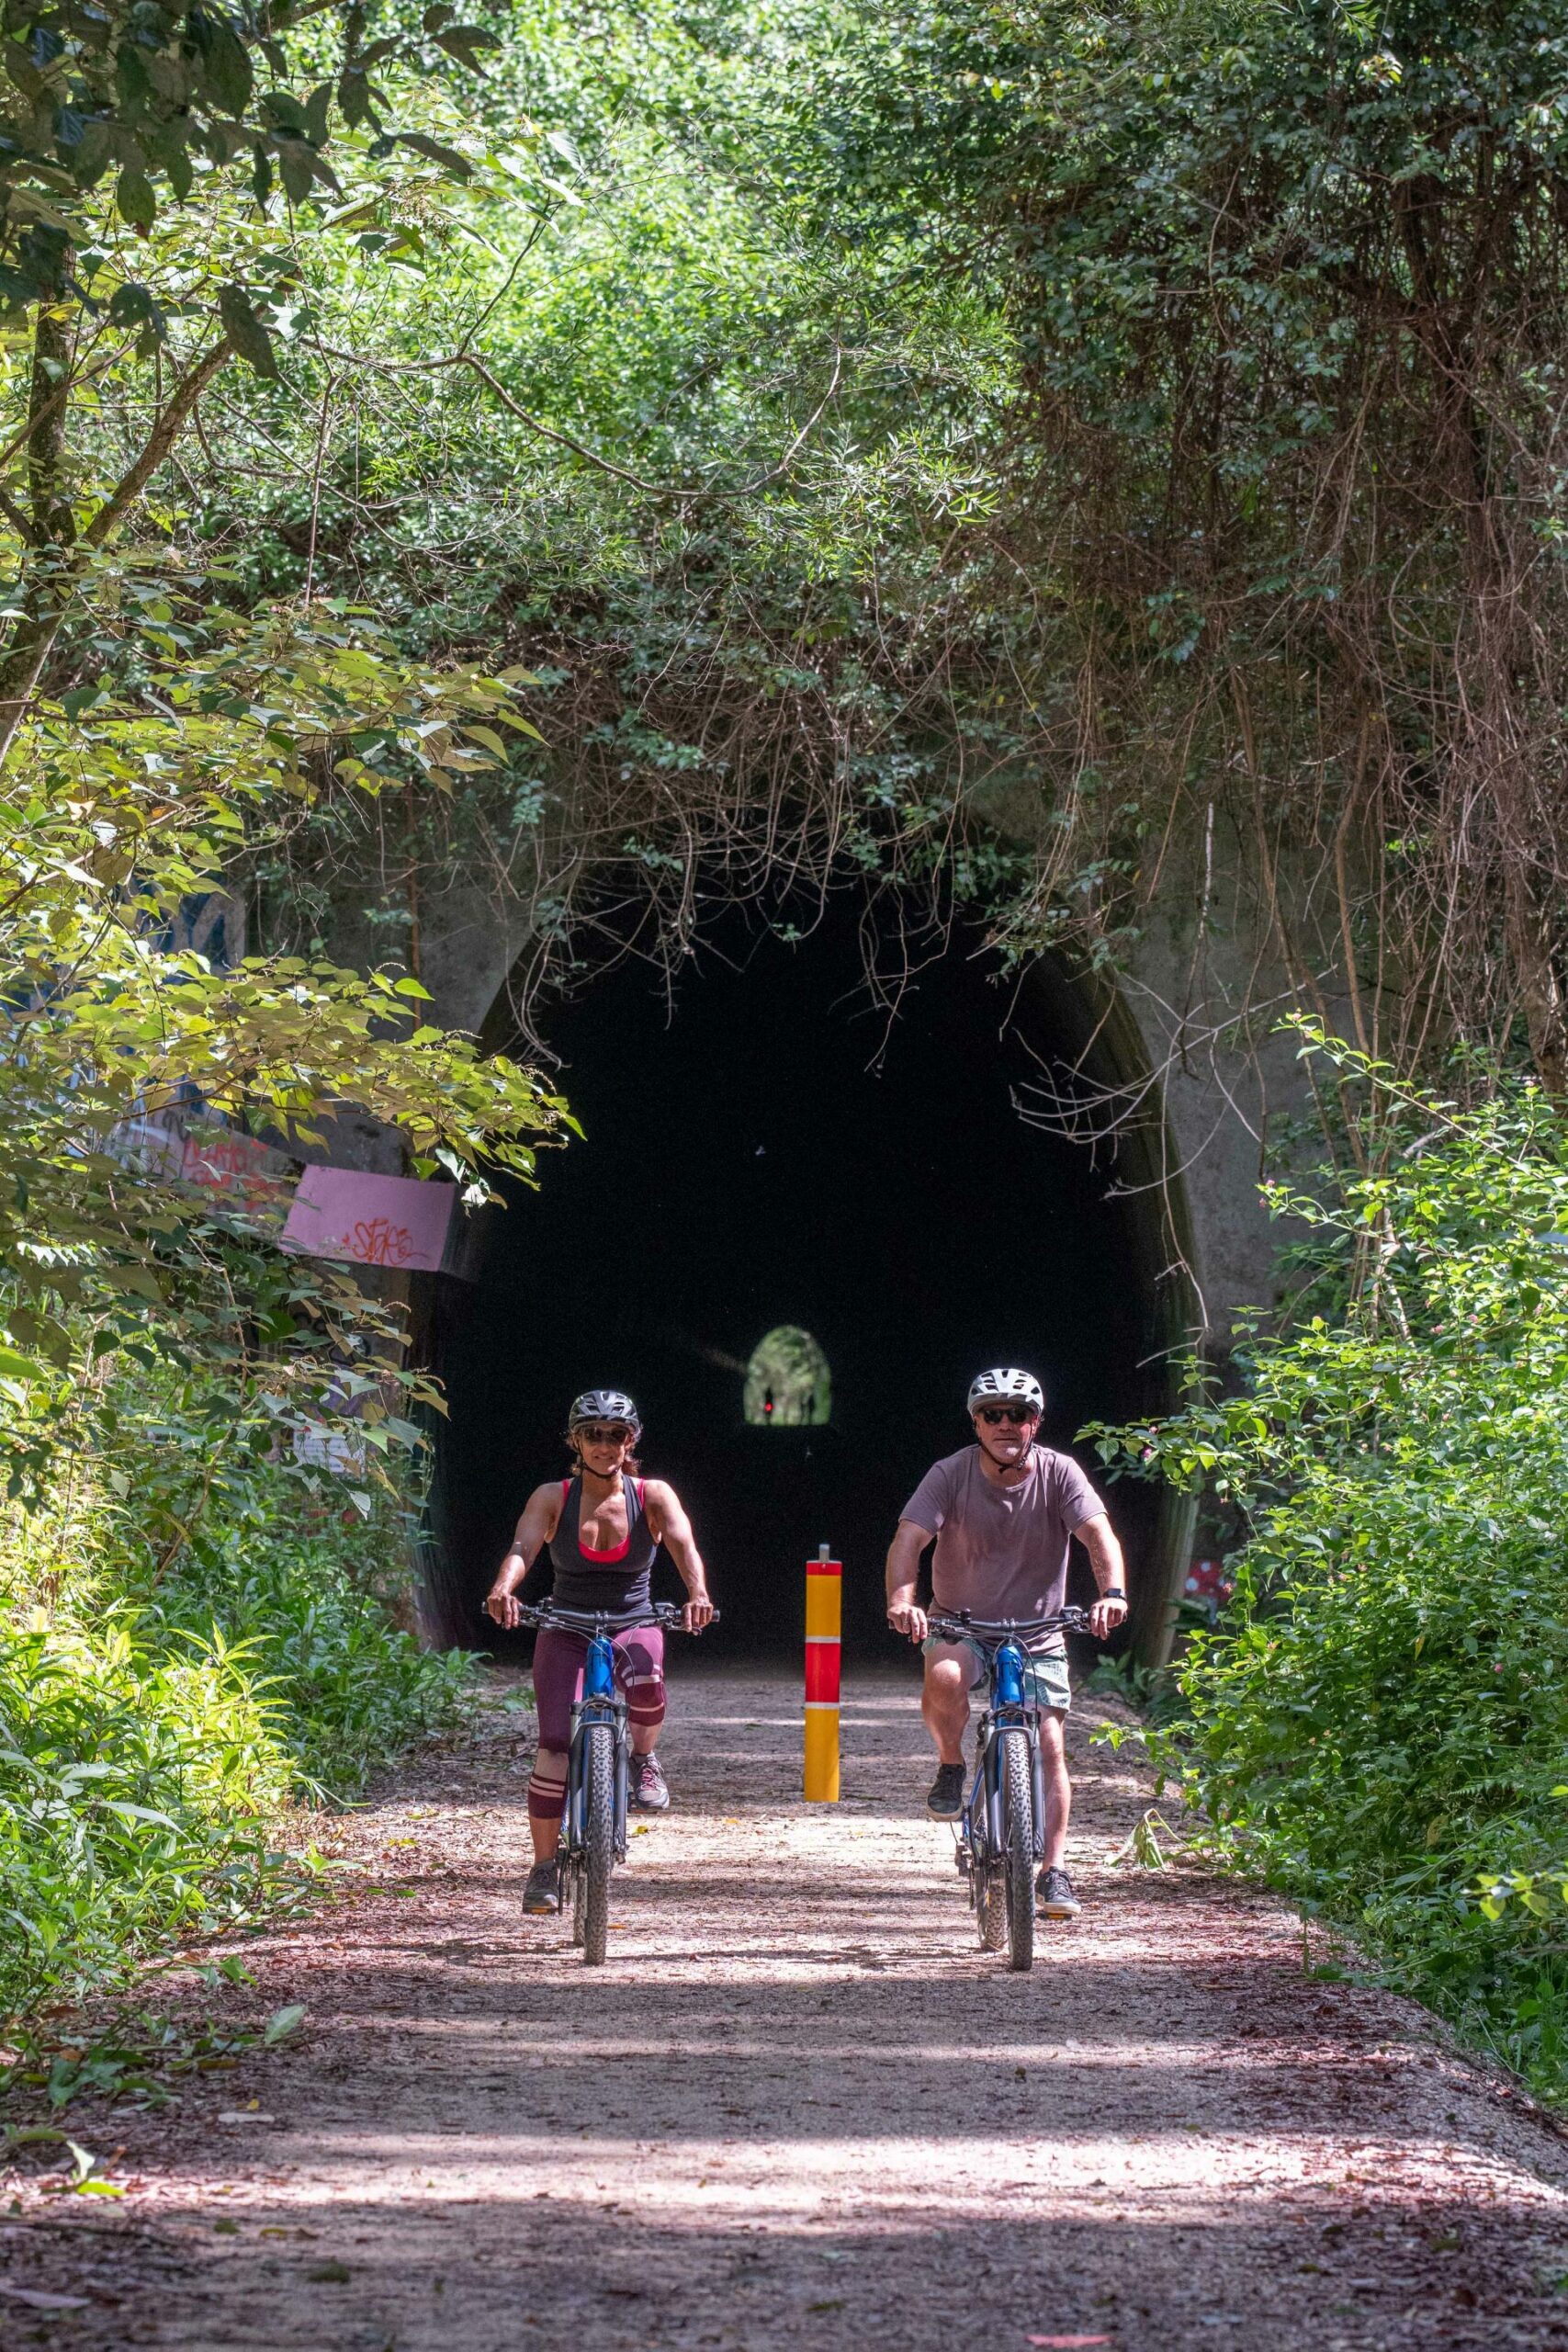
(1010, 1675)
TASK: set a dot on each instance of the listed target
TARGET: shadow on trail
(552, 2269)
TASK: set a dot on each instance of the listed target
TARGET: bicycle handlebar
(992, 1631)
(667, 1614)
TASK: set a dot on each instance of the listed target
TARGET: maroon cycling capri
(558, 1661)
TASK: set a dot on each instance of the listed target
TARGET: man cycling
(1003, 1513)
(601, 1529)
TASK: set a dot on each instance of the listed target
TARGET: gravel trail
(799, 2107)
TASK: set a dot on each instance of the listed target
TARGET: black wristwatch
(1113, 1592)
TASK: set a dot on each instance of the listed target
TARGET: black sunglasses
(616, 1435)
(1016, 1414)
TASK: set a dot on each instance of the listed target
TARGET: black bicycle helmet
(604, 1405)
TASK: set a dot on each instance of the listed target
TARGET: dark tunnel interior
(779, 1152)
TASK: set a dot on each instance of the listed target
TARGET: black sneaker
(542, 1893)
(944, 1798)
(1054, 1894)
(649, 1789)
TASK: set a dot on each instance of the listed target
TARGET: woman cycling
(601, 1529)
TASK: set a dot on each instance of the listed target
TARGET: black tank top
(617, 1581)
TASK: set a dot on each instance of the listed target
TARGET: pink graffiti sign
(379, 1242)
(371, 1220)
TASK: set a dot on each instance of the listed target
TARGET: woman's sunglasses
(616, 1434)
(1016, 1414)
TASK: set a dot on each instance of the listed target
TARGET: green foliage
(158, 1715)
(193, 1635)
(301, 1587)
(111, 814)
(133, 1783)
(1380, 1720)
(173, 95)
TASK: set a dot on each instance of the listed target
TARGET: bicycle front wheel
(1018, 1793)
(991, 1903)
(598, 1839)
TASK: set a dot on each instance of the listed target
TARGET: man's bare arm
(667, 1521)
(903, 1573)
(541, 1515)
(1099, 1539)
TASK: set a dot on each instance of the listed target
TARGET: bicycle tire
(991, 1905)
(577, 1919)
(598, 1839)
(1018, 1814)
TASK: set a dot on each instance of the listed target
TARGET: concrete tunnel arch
(600, 1275)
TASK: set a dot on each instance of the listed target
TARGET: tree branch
(55, 575)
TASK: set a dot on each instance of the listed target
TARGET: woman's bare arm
(541, 1517)
(668, 1524)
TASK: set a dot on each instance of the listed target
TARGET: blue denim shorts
(1045, 1680)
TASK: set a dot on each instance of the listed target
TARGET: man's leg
(1052, 1888)
(945, 1701)
(1058, 1787)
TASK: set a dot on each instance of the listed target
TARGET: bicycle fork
(1019, 1720)
(601, 1704)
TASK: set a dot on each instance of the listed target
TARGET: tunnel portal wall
(778, 1152)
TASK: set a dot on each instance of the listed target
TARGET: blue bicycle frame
(997, 1849)
(594, 1834)
(1008, 1709)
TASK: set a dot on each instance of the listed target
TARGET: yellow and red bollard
(824, 1625)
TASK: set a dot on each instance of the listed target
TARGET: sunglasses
(616, 1434)
(1016, 1414)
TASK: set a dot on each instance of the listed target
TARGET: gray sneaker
(944, 1798)
(542, 1893)
(649, 1789)
(1054, 1894)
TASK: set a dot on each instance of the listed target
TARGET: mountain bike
(593, 1817)
(1001, 1832)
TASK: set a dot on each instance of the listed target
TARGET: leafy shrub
(149, 1740)
(1380, 1724)
(134, 1781)
(347, 1690)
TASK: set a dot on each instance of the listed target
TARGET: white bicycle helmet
(1005, 1385)
(604, 1405)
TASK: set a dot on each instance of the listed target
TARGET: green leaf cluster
(1378, 1722)
(161, 1711)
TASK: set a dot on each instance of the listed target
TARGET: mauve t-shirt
(1002, 1550)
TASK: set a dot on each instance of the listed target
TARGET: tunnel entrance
(778, 1163)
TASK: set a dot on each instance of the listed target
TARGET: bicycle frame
(601, 1702)
(982, 1833)
(1007, 1709)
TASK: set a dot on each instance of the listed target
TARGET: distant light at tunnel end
(788, 1385)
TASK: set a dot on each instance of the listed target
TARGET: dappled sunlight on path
(798, 2106)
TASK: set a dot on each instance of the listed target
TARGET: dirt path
(799, 2107)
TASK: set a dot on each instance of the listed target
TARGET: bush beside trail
(157, 1730)
(1380, 1724)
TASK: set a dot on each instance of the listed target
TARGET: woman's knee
(640, 1667)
